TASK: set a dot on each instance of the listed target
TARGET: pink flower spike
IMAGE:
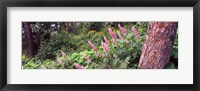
(122, 29)
(125, 30)
(119, 26)
(105, 47)
(120, 36)
(92, 45)
(135, 32)
(78, 66)
(85, 57)
(106, 40)
(112, 34)
(63, 53)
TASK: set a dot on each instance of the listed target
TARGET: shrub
(58, 42)
(119, 53)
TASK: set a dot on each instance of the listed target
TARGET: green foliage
(28, 63)
(170, 65)
(121, 55)
(175, 47)
(88, 26)
(56, 43)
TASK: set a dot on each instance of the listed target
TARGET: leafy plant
(120, 49)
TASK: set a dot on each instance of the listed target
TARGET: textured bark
(31, 46)
(158, 45)
(67, 27)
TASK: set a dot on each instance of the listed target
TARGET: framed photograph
(90, 45)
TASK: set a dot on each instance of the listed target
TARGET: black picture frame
(100, 3)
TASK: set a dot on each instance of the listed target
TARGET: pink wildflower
(78, 66)
(105, 47)
(112, 34)
(92, 45)
(120, 36)
(127, 42)
(63, 53)
(125, 30)
(119, 25)
(106, 40)
(135, 32)
(85, 57)
(122, 29)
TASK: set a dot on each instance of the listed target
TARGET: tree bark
(67, 27)
(31, 46)
(158, 45)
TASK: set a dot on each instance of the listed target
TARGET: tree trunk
(67, 27)
(158, 45)
(31, 46)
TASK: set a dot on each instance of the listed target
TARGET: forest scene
(99, 45)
